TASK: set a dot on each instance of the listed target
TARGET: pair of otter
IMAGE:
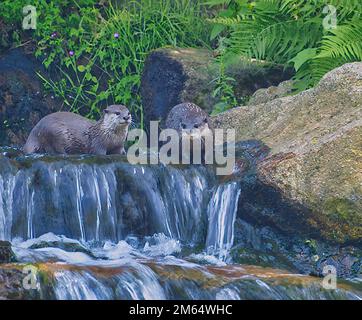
(70, 133)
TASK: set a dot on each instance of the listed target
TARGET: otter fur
(70, 133)
(186, 117)
(191, 122)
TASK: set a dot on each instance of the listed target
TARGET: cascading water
(221, 214)
(100, 228)
(104, 201)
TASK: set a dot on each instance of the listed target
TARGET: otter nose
(126, 118)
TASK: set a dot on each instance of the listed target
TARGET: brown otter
(186, 117)
(190, 121)
(70, 133)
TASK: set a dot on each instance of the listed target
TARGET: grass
(96, 53)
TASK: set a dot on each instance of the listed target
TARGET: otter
(190, 121)
(70, 133)
(186, 117)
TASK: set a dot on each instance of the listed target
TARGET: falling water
(221, 215)
(104, 229)
(6, 202)
(106, 201)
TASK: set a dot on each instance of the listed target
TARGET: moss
(343, 210)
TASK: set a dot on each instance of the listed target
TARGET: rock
(22, 103)
(12, 284)
(6, 253)
(268, 94)
(311, 183)
(264, 247)
(50, 240)
(172, 76)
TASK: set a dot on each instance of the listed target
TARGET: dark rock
(172, 76)
(258, 244)
(22, 102)
(6, 253)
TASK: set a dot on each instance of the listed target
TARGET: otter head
(190, 120)
(116, 116)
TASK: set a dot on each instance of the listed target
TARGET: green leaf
(213, 3)
(303, 57)
(81, 68)
(216, 30)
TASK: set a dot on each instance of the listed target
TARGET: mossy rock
(315, 160)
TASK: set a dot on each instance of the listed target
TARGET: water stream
(104, 229)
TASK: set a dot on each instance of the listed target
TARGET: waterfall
(7, 183)
(105, 229)
(221, 215)
(103, 201)
(137, 282)
(110, 201)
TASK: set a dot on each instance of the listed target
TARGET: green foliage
(96, 52)
(224, 88)
(292, 32)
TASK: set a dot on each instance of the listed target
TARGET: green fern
(339, 46)
(343, 42)
(291, 32)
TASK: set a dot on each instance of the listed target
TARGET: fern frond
(344, 42)
(229, 22)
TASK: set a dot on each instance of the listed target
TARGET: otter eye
(117, 113)
(196, 125)
(205, 120)
(105, 111)
(183, 126)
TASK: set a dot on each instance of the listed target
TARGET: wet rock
(22, 101)
(12, 284)
(6, 253)
(264, 246)
(314, 166)
(172, 76)
(50, 240)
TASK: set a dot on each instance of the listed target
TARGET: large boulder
(172, 76)
(22, 103)
(311, 182)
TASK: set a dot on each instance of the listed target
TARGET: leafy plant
(96, 51)
(223, 88)
(291, 32)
